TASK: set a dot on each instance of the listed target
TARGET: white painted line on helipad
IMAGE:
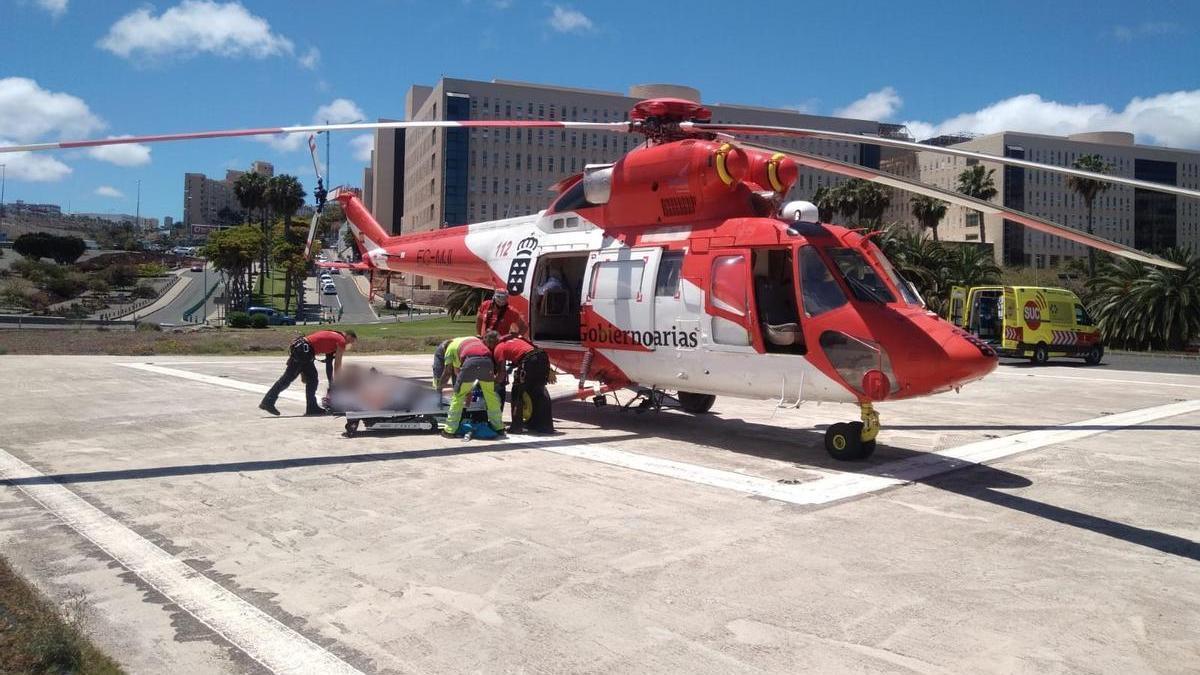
(923, 466)
(842, 485)
(1105, 379)
(260, 636)
(213, 379)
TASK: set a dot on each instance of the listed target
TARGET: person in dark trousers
(301, 361)
(531, 370)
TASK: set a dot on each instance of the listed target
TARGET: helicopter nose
(967, 358)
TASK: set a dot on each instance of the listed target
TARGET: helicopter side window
(818, 288)
(864, 283)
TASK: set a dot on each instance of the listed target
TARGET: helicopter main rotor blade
(1033, 222)
(744, 129)
(313, 128)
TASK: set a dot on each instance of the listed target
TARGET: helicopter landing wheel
(853, 441)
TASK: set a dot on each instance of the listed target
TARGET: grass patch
(385, 338)
(272, 295)
(37, 637)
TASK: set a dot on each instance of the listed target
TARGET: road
(1130, 361)
(1042, 520)
(191, 294)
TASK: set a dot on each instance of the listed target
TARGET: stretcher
(426, 419)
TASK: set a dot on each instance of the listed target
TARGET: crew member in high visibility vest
(497, 315)
(469, 361)
(301, 361)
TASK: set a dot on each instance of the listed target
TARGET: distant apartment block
(209, 202)
(425, 179)
(1144, 219)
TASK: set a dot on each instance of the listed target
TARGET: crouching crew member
(301, 361)
(439, 361)
(530, 371)
(469, 361)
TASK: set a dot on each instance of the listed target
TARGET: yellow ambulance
(1033, 322)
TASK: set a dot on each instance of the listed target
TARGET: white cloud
(567, 20)
(56, 7)
(1145, 29)
(310, 58)
(363, 145)
(337, 111)
(877, 105)
(109, 191)
(1171, 119)
(194, 27)
(28, 112)
(35, 167)
(129, 154)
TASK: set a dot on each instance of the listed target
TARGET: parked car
(274, 316)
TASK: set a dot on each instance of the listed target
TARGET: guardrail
(22, 320)
(202, 302)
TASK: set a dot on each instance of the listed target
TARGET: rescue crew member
(301, 361)
(497, 315)
(469, 361)
(531, 370)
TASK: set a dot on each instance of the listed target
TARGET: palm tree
(464, 299)
(929, 212)
(250, 190)
(969, 265)
(1088, 189)
(977, 182)
(1158, 308)
(871, 199)
(825, 199)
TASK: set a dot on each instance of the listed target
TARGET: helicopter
(680, 268)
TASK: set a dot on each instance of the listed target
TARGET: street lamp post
(3, 177)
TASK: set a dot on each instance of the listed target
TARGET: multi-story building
(429, 178)
(205, 198)
(1144, 219)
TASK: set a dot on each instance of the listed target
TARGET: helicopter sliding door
(619, 298)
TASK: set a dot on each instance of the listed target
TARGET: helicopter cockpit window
(907, 291)
(817, 287)
(860, 276)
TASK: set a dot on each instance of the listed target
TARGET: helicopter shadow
(977, 481)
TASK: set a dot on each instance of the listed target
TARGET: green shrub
(65, 287)
(98, 286)
(145, 291)
(238, 320)
(119, 276)
(259, 321)
(148, 327)
(151, 270)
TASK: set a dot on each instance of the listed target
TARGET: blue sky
(70, 68)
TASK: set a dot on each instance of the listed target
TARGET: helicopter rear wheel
(697, 404)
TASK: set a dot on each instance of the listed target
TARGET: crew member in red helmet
(301, 361)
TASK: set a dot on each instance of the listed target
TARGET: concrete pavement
(213, 538)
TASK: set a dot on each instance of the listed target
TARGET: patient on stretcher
(367, 389)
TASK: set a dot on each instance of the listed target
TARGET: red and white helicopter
(678, 267)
